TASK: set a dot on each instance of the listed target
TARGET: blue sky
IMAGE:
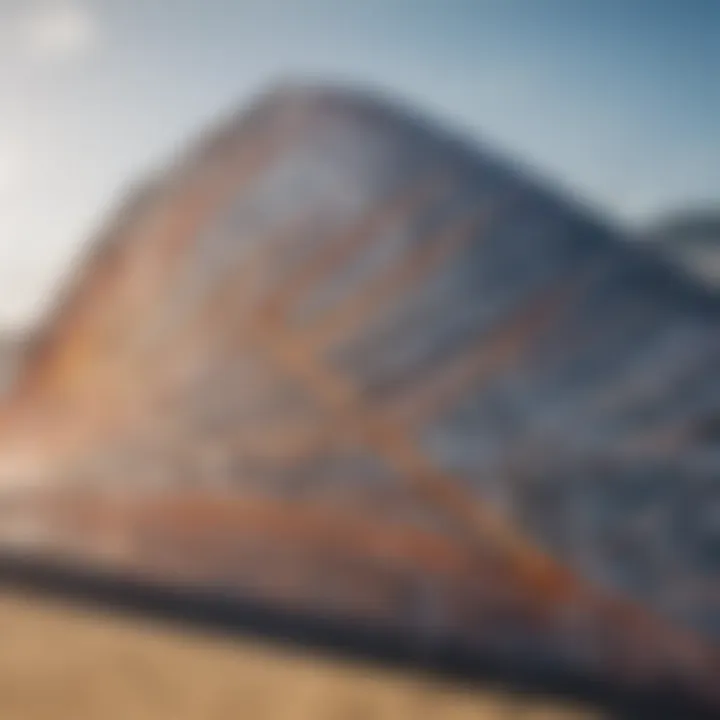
(617, 100)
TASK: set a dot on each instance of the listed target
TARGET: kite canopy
(343, 363)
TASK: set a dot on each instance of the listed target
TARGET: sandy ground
(59, 662)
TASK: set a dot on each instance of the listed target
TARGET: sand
(63, 662)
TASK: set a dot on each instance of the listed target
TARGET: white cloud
(56, 30)
(14, 161)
